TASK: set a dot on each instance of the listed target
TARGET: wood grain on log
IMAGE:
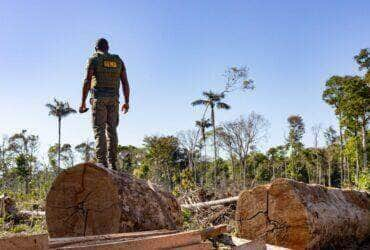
(65, 241)
(91, 200)
(30, 242)
(155, 242)
(207, 233)
(198, 246)
(300, 216)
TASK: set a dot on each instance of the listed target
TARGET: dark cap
(102, 44)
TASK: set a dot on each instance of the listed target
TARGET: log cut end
(91, 200)
(283, 227)
(300, 216)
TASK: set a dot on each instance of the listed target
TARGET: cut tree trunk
(29, 242)
(301, 216)
(91, 200)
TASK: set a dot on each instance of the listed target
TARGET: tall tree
(60, 110)
(4, 162)
(333, 95)
(363, 94)
(316, 129)
(213, 100)
(330, 138)
(203, 124)
(296, 131)
(276, 157)
(188, 140)
(66, 156)
(244, 135)
(227, 144)
(24, 148)
(130, 158)
(355, 107)
(165, 158)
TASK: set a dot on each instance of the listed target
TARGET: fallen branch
(210, 203)
(33, 213)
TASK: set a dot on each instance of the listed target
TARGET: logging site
(187, 125)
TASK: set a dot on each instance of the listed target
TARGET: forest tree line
(218, 155)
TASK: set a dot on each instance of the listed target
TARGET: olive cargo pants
(105, 119)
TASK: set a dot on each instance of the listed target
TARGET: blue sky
(173, 51)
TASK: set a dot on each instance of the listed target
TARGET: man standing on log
(104, 73)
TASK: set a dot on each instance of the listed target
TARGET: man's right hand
(125, 108)
(83, 108)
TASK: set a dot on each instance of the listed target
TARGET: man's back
(107, 70)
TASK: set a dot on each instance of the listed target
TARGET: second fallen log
(91, 200)
(301, 216)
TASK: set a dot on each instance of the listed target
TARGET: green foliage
(59, 108)
(187, 179)
(129, 159)
(142, 171)
(364, 181)
(86, 150)
(238, 78)
(165, 157)
(187, 215)
(297, 171)
(296, 131)
(363, 59)
(21, 166)
(66, 155)
(19, 228)
(350, 98)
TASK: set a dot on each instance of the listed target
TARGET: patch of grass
(19, 228)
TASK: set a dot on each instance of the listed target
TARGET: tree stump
(91, 200)
(301, 216)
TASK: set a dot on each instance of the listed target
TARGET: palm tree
(59, 109)
(213, 100)
(202, 125)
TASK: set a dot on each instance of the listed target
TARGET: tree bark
(341, 149)
(357, 172)
(19, 241)
(232, 165)
(329, 172)
(364, 146)
(301, 216)
(91, 200)
(59, 139)
(214, 145)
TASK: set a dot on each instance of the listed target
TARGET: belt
(103, 92)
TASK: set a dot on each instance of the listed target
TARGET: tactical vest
(106, 79)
